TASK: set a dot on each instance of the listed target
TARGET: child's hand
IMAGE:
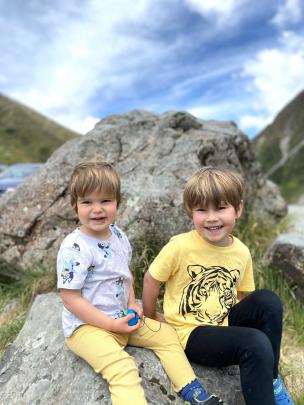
(120, 325)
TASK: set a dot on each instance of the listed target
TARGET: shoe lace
(205, 401)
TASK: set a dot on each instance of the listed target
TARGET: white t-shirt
(99, 268)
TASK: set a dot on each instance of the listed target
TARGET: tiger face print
(210, 294)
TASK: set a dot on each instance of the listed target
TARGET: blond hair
(91, 176)
(213, 186)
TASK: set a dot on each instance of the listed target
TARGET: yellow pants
(104, 351)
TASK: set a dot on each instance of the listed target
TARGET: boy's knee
(259, 348)
(268, 299)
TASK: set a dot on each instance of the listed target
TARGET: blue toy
(134, 320)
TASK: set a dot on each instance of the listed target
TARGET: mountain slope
(280, 149)
(27, 136)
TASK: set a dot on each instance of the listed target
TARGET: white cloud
(289, 12)
(276, 76)
(74, 60)
(253, 122)
(81, 126)
(207, 112)
(84, 54)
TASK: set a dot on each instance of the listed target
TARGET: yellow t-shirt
(202, 281)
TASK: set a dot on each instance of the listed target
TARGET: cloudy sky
(77, 61)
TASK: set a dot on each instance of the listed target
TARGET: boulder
(38, 369)
(154, 155)
(286, 253)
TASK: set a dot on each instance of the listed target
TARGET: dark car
(13, 175)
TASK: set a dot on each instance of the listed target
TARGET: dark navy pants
(252, 340)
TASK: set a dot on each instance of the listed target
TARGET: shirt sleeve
(165, 263)
(247, 283)
(72, 268)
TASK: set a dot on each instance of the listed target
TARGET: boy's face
(96, 212)
(214, 224)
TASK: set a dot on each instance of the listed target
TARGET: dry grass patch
(292, 367)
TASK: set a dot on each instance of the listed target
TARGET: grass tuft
(15, 300)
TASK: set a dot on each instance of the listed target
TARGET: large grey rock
(286, 252)
(38, 369)
(154, 154)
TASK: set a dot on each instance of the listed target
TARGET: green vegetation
(285, 132)
(26, 136)
(290, 177)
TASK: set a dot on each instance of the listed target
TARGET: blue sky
(78, 61)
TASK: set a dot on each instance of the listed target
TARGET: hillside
(27, 136)
(280, 149)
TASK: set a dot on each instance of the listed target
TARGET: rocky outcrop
(154, 154)
(286, 252)
(39, 369)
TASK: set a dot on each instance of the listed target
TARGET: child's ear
(240, 209)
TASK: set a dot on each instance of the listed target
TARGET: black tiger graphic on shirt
(210, 295)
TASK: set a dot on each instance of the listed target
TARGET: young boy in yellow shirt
(207, 272)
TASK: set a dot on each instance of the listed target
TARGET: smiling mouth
(214, 228)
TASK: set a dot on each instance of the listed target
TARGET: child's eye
(200, 209)
(85, 202)
(222, 207)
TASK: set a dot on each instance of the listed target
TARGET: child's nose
(211, 215)
(97, 207)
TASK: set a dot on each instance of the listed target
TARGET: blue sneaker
(281, 395)
(194, 394)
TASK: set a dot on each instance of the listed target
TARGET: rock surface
(154, 154)
(38, 369)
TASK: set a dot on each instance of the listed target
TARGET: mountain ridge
(26, 135)
(280, 149)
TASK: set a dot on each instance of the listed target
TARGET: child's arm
(84, 310)
(240, 295)
(150, 295)
(132, 303)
